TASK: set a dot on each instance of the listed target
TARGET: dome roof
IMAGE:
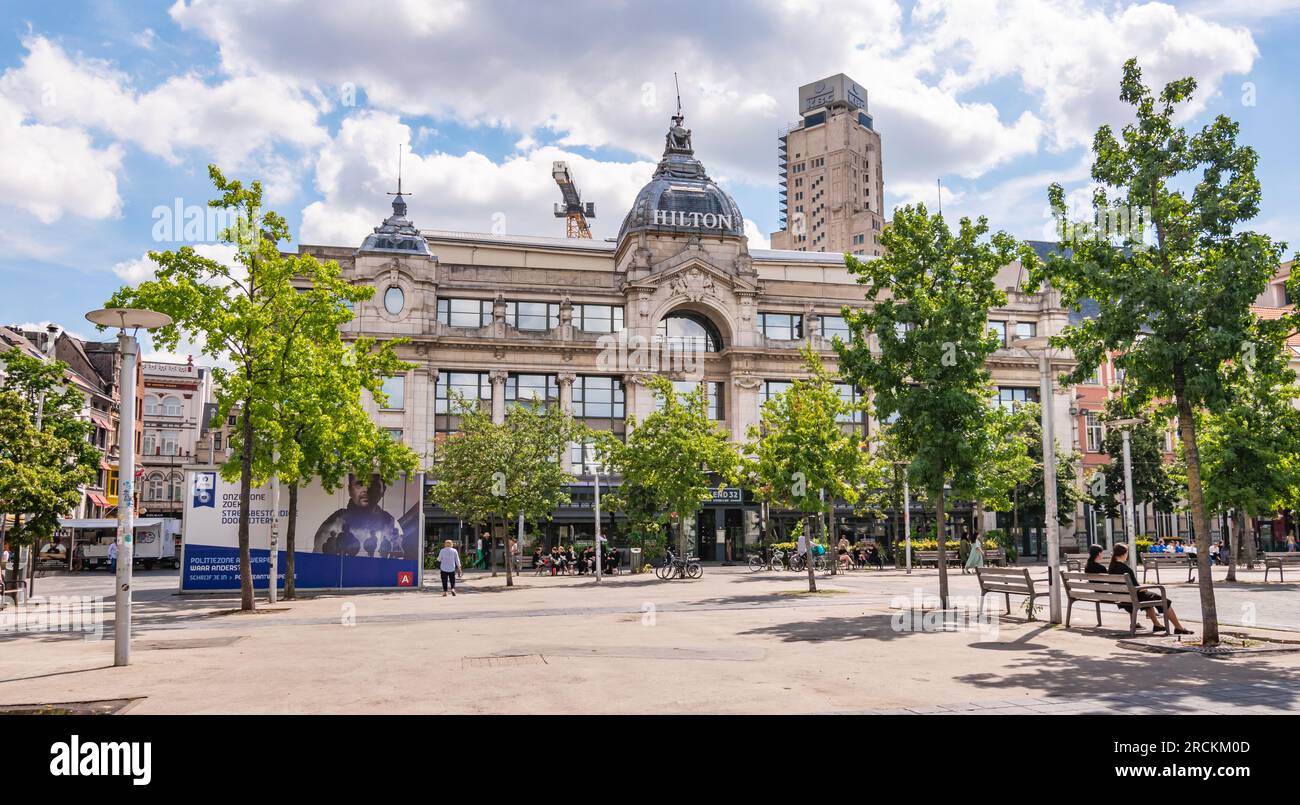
(680, 198)
(396, 233)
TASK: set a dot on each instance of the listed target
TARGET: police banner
(365, 535)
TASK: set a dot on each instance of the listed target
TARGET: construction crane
(572, 209)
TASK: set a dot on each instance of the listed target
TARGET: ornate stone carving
(498, 376)
(694, 284)
(566, 378)
(747, 381)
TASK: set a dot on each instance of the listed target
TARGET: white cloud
(138, 269)
(469, 192)
(145, 39)
(54, 108)
(49, 170)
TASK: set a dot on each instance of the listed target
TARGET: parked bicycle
(775, 560)
(674, 567)
(798, 562)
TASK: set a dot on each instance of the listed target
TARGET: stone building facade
(583, 324)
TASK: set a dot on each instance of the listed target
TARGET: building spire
(399, 203)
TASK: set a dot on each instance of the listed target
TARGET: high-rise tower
(832, 183)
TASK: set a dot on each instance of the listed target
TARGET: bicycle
(798, 562)
(675, 568)
(775, 561)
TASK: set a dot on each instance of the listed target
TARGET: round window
(394, 300)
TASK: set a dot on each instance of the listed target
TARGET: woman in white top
(449, 564)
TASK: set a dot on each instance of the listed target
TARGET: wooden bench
(997, 556)
(1009, 582)
(1109, 588)
(1159, 560)
(1076, 562)
(1279, 560)
(932, 557)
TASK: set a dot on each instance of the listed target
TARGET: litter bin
(636, 560)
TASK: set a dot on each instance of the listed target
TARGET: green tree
(930, 296)
(488, 470)
(316, 427)
(244, 315)
(673, 454)
(41, 468)
(1006, 445)
(1175, 312)
(1249, 447)
(801, 456)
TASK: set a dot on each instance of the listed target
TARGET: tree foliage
(1174, 296)
(930, 296)
(802, 458)
(41, 470)
(673, 455)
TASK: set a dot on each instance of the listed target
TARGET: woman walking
(976, 558)
(449, 564)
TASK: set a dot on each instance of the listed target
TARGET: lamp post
(595, 477)
(1129, 526)
(1043, 346)
(907, 514)
(124, 318)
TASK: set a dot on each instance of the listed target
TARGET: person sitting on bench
(1118, 566)
(1094, 560)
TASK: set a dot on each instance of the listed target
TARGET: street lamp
(1126, 425)
(1043, 345)
(124, 319)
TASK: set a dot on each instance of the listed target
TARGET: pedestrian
(976, 558)
(963, 552)
(449, 564)
(1290, 543)
(478, 552)
(112, 557)
(485, 551)
(801, 546)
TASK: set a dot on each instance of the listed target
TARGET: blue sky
(109, 110)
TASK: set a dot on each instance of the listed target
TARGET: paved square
(731, 642)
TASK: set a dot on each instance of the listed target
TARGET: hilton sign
(696, 220)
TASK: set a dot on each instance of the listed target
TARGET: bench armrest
(1159, 587)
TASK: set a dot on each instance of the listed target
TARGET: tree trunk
(1247, 541)
(290, 534)
(811, 558)
(1233, 540)
(246, 601)
(491, 544)
(940, 529)
(1200, 519)
(510, 578)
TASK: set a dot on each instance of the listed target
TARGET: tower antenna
(939, 182)
(399, 171)
(677, 87)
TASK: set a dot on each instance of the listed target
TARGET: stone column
(745, 389)
(498, 378)
(565, 380)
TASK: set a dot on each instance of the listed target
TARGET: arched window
(174, 485)
(151, 407)
(394, 300)
(689, 332)
(172, 406)
(155, 491)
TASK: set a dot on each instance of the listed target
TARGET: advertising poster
(366, 535)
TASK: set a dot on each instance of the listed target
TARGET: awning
(97, 499)
(101, 420)
(106, 522)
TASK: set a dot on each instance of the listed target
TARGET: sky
(111, 111)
